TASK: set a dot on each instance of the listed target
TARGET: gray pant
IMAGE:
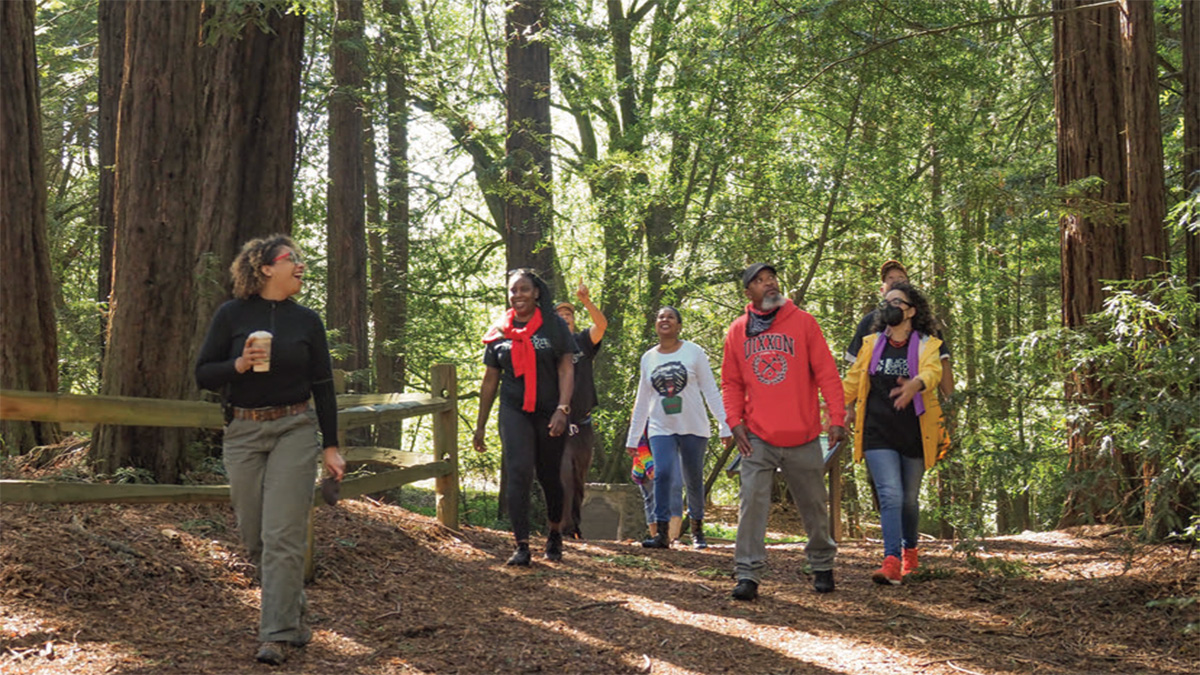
(271, 468)
(804, 470)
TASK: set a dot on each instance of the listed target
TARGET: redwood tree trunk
(152, 318)
(1190, 44)
(252, 96)
(1089, 107)
(28, 341)
(111, 41)
(346, 305)
(528, 211)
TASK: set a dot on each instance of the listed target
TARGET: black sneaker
(745, 590)
(823, 581)
(270, 653)
(554, 547)
(520, 557)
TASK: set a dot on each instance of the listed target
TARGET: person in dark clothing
(891, 273)
(529, 362)
(897, 426)
(581, 438)
(270, 442)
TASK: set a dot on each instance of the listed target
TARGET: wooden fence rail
(354, 410)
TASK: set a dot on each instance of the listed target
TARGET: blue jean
(647, 488)
(675, 454)
(898, 483)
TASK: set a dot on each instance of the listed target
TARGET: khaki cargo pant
(271, 468)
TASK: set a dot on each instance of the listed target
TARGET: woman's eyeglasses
(295, 257)
(898, 302)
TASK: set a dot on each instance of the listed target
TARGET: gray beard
(771, 303)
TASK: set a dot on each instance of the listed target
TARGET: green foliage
(635, 561)
(1007, 568)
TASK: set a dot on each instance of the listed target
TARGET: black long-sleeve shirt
(300, 363)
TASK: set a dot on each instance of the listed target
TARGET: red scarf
(524, 358)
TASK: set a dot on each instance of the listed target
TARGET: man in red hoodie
(776, 359)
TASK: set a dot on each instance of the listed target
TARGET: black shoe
(698, 540)
(745, 590)
(660, 540)
(270, 653)
(520, 557)
(823, 581)
(554, 546)
(303, 636)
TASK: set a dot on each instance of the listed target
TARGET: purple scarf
(914, 359)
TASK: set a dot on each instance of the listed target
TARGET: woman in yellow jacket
(894, 380)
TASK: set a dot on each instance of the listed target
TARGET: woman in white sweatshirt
(675, 374)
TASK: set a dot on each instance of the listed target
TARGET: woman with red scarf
(529, 361)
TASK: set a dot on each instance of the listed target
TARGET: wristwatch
(565, 408)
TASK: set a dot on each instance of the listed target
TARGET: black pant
(529, 448)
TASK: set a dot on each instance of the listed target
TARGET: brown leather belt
(268, 414)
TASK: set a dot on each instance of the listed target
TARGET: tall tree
(528, 208)
(156, 203)
(347, 243)
(390, 280)
(111, 47)
(252, 95)
(28, 338)
(1190, 44)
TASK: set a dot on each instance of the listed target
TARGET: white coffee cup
(262, 338)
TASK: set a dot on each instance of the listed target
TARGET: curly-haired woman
(894, 380)
(675, 375)
(271, 443)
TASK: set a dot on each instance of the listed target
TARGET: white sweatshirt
(669, 393)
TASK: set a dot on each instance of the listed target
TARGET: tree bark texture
(111, 41)
(1090, 113)
(346, 303)
(528, 209)
(391, 363)
(1146, 236)
(28, 337)
(248, 151)
(1190, 45)
(157, 206)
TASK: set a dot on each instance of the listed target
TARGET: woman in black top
(529, 360)
(894, 381)
(270, 441)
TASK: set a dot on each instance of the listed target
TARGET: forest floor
(90, 589)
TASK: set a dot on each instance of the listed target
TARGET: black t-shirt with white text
(886, 427)
(549, 345)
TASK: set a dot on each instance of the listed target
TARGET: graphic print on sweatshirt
(768, 354)
(669, 380)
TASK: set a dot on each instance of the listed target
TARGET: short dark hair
(678, 316)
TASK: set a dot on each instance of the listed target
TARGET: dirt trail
(92, 589)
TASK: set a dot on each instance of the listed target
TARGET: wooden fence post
(444, 383)
(835, 498)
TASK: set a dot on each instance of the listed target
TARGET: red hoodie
(769, 382)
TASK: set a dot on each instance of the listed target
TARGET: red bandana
(524, 358)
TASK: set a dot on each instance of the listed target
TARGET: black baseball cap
(753, 270)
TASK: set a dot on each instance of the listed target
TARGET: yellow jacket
(857, 384)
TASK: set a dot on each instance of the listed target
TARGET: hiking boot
(698, 540)
(889, 573)
(520, 557)
(554, 546)
(270, 653)
(910, 561)
(823, 581)
(746, 589)
(660, 539)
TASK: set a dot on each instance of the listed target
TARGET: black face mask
(892, 316)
